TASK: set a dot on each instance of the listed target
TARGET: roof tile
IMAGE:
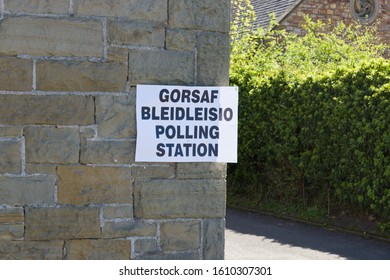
(263, 9)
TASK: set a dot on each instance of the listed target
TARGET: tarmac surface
(253, 236)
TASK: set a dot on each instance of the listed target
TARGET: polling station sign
(186, 124)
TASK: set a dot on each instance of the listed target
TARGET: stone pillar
(69, 185)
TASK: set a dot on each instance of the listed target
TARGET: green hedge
(314, 120)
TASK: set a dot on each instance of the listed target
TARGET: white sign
(186, 124)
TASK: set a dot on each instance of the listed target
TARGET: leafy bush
(314, 117)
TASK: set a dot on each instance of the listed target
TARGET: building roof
(263, 9)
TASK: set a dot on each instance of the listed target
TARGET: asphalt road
(253, 236)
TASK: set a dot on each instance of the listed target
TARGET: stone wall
(336, 11)
(69, 186)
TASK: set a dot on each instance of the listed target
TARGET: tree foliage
(314, 116)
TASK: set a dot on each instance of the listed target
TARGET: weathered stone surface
(154, 172)
(201, 170)
(11, 131)
(136, 33)
(118, 212)
(79, 185)
(170, 256)
(179, 199)
(11, 231)
(11, 223)
(12, 215)
(49, 144)
(41, 168)
(181, 39)
(161, 67)
(10, 157)
(62, 223)
(213, 59)
(37, 6)
(15, 73)
(208, 15)
(100, 249)
(81, 76)
(31, 250)
(88, 132)
(46, 109)
(29, 190)
(145, 246)
(214, 239)
(128, 228)
(118, 54)
(131, 9)
(180, 236)
(105, 151)
(115, 116)
(51, 36)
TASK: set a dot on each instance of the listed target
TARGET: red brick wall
(336, 11)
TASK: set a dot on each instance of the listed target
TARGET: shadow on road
(285, 232)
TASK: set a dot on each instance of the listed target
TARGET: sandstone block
(145, 246)
(37, 6)
(180, 39)
(118, 212)
(115, 152)
(136, 33)
(11, 223)
(10, 157)
(154, 172)
(79, 185)
(81, 76)
(100, 249)
(128, 228)
(12, 215)
(208, 15)
(213, 59)
(31, 250)
(161, 67)
(41, 168)
(11, 231)
(62, 223)
(46, 109)
(87, 132)
(179, 199)
(29, 190)
(11, 131)
(115, 116)
(15, 73)
(118, 54)
(50, 144)
(170, 256)
(51, 36)
(213, 239)
(180, 236)
(208, 170)
(130, 9)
